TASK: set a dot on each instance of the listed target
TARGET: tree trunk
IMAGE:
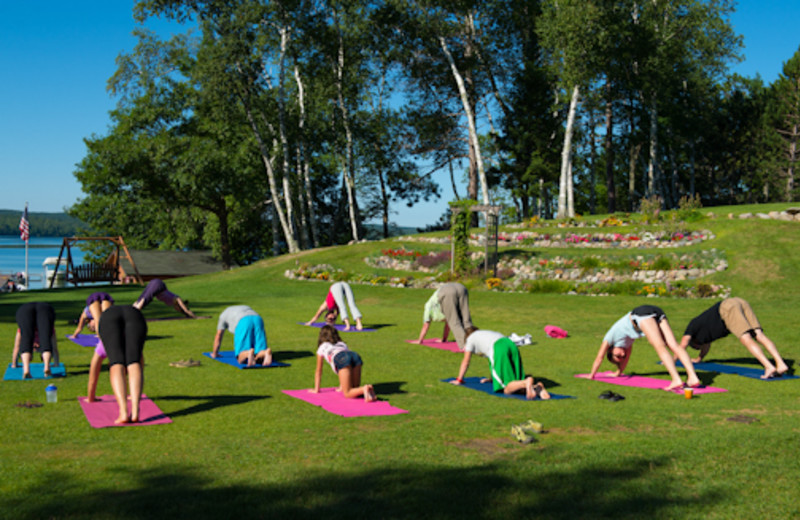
(652, 166)
(611, 186)
(273, 186)
(303, 169)
(224, 236)
(473, 132)
(287, 188)
(592, 163)
(570, 190)
(348, 166)
(566, 155)
(634, 153)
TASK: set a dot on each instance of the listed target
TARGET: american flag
(24, 227)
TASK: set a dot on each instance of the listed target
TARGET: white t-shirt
(482, 342)
(328, 351)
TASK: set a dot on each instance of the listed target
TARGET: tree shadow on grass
(208, 402)
(284, 355)
(625, 488)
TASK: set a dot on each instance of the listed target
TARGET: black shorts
(33, 318)
(123, 330)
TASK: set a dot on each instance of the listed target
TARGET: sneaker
(519, 433)
(185, 363)
(533, 426)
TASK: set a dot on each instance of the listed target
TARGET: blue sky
(56, 57)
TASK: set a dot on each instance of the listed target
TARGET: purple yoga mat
(338, 326)
(85, 340)
(103, 412)
(332, 401)
(452, 346)
(646, 382)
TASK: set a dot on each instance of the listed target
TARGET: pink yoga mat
(332, 401)
(646, 382)
(103, 412)
(452, 346)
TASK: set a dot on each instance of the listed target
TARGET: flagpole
(26, 235)
(27, 280)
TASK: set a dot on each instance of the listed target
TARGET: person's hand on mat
(214, 354)
(585, 376)
(485, 380)
(313, 390)
(456, 382)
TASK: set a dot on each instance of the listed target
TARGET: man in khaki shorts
(733, 316)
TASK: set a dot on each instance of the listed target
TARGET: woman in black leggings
(123, 331)
(36, 328)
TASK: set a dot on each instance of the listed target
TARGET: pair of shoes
(185, 363)
(519, 433)
(611, 396)
(533, 426)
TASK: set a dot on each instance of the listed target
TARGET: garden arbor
(459, 240)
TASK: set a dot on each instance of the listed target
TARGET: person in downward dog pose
(156, 288)
(334, 304)
(96, 304)
(36, 330)
(123, 331)
(651, 322)
(733, 315)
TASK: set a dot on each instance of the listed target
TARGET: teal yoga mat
(37, 371)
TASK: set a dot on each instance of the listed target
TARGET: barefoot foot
(769, 374)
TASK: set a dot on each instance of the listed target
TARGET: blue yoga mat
(753, 373)
(37, 371)
(474, 383)
(229, 358)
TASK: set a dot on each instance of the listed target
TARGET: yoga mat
(753, 373)
(85, 340)
(646, 382)
(229, 358)
(338, 326)
(332, 401)
(452, 346)
(171, 318)
(103, 412)
(37, 371)
(474, 383)
(555, 332)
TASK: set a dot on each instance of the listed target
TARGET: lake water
(12, 256)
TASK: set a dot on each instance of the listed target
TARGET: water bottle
(52, 393)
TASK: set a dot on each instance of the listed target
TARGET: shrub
(650, 209)
(432, 260)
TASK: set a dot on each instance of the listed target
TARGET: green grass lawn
(239, 448)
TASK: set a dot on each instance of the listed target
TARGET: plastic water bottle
(52, 393)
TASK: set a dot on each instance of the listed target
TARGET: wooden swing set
(108, 271)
